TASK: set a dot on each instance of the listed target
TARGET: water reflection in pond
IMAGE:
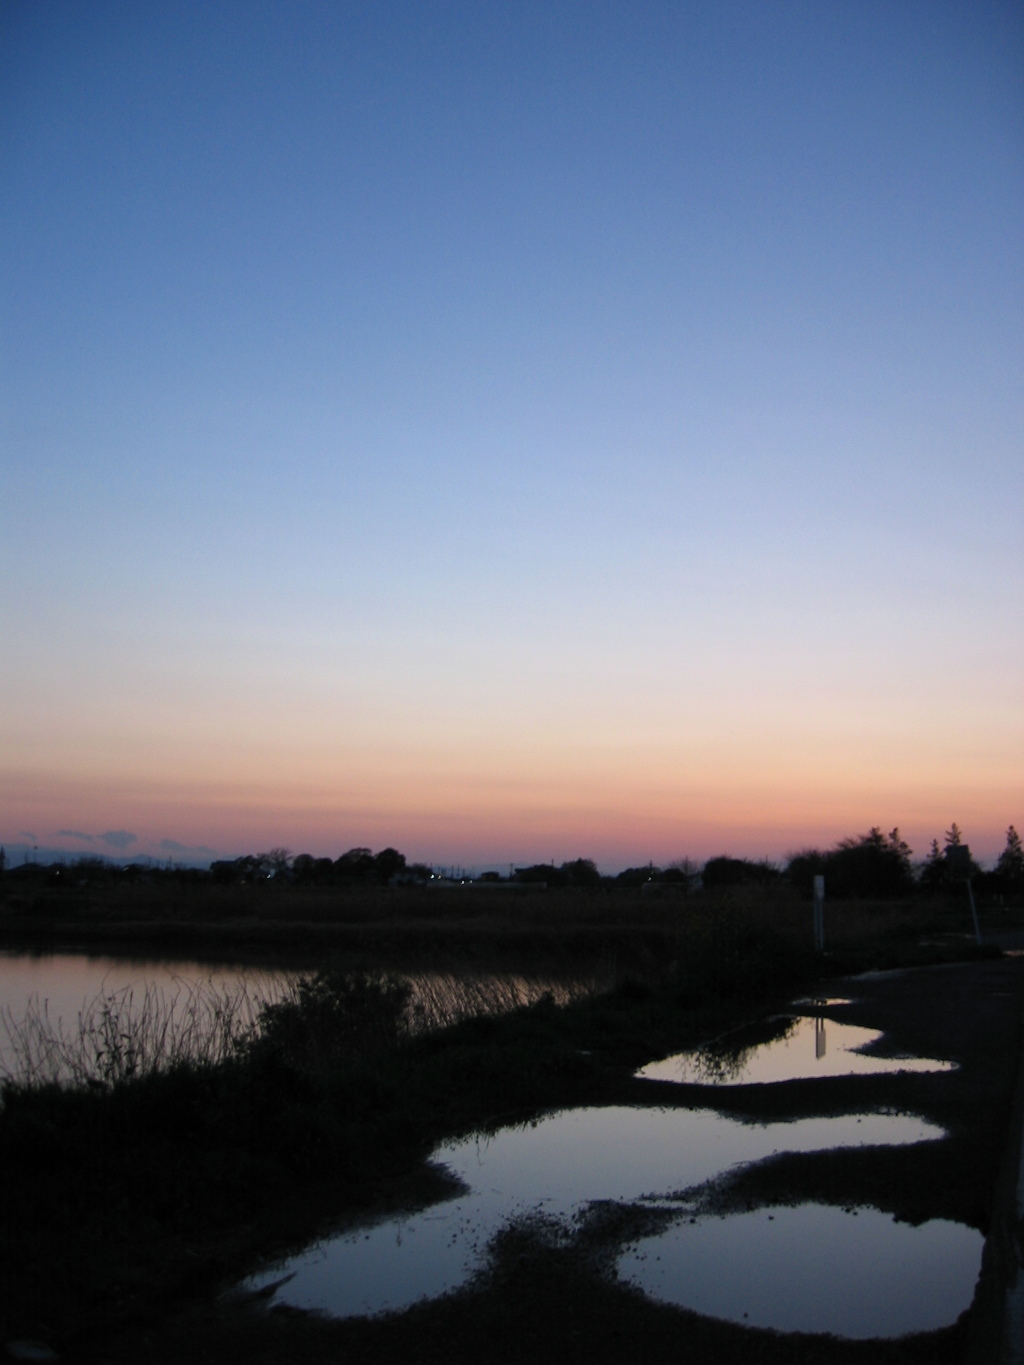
(555, 1168)
(50, 1002)
(856, 1273)
(794, 1049)
(54, 1007)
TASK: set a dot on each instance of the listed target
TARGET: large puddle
(852, 1272)
(553, 1168)
(801, 1048)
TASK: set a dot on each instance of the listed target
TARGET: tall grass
(134, 1032)
(121, 1035)
(439, 999)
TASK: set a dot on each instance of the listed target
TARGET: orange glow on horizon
(630, 815)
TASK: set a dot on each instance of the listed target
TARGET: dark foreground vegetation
(134, 1200)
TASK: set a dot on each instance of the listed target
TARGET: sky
(510, 432)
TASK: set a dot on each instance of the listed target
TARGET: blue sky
(505, 430)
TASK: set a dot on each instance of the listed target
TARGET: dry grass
(121, 1035)
(442, 998)
(126, 1034)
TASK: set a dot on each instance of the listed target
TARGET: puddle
(814, 1268)
(815, 1002)
(785, 1049)
(554, 1167)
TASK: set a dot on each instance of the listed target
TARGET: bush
(873, 865)
(725, 871)
(333, 1015)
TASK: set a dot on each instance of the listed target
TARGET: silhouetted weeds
(125, 1034)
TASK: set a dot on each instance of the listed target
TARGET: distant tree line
(871, 866)
(878, 866)
(357, 867)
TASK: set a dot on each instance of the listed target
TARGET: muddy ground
(544, 1302)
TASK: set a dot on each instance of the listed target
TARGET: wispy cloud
(75, 834)
(27, 834)
(190, 850)
(118, 838)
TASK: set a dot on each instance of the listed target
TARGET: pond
(52, 1005)
(785, 1048)
(554, 1169)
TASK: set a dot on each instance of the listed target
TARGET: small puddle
(785, 1049)
(554, 1167)
(815, 1268)
(820, 1003)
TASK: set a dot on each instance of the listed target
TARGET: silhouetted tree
(870, 865)
(540, 872)
(803, 867)
(636, 876)
(312, 871)
(275, 862)
(901, 849)
(934, 872)
(963, 867)
(387, 863)
(938, 869)
(873, 865)
(1010, 867)
(581, 872)
(355, 866)
(725, 871)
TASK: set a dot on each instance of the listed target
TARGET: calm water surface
(815, 1268)
(553, 1168)
(67, 981)
(807, 1047)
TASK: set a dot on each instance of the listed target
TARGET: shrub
(872, 865)
(725, 871)
(333, 1015)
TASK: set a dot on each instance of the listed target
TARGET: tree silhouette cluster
(357, 867)
(871, 866)
(878, 866)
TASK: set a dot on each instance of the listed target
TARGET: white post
(819, 914)
(974, 911)
(958, 861)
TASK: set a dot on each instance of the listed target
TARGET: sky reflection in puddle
(814, 1268)
(806, 1048)
(554, 1167)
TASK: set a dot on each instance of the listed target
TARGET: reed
(439, 999)
(124, 1035)
(136, 1032)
